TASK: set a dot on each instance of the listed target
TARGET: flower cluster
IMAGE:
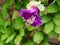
(31, 14)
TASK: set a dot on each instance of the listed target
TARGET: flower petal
(26, 14)
(34, 10)
(32, 16)
(41, 7)
(38, 21)
(32, 3)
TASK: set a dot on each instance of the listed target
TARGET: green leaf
(38, 37)
(52, 9)
(4, 8)
(45, 38)
(25, 3)
(18, 4)
(2, 22)
(7, 4)
(45, 43)
(22, 32)
(29, 42)
(2, 30)
(57, 15)
(18, 39)
(12, 43)
(5, 13)
(59, 38)
(1, 15)
(1, 43)
(56, 21)
(5, 36)
(15, 14)
(45, 2)
(7, 23)
(19, 23)
(48, 27)
(58, 1)
(52, 34)
(57, 29)
(10, 38)
(46, 18)
(30, 28)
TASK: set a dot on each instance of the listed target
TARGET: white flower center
(31, 20)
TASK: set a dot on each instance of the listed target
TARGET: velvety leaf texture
(29, 22)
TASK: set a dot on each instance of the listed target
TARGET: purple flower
(32, 16)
